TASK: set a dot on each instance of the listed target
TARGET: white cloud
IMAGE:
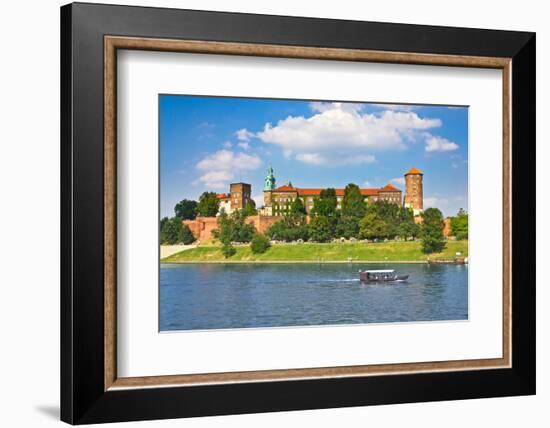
(215, 179)
(311, 158)
(227, 145)
(244, 134)
(398, 107)
(339, 131)
(355, 160)
(318, 159)
(220, 167)
(439, 144)
(227, 160)
(244, 145)
(321, 107)
(398, 180)
(367, 184)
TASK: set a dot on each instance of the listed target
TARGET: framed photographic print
(265, 213)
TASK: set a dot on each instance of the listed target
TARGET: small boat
(388, 275)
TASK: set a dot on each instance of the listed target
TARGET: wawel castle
(278, 200)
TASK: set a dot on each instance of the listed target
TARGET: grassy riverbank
(313, 252)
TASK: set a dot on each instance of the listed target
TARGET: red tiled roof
(222, 196)
(286, 188)
(309, 192)
(369, 192)
(389, 188)
(413, 170)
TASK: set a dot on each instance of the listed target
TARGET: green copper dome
(269, 182)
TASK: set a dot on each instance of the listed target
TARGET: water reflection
(217, 296)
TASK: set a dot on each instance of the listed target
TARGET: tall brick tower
(240, 195)
(414, 193)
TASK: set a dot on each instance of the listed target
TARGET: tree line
(356, 219)
(173, 231)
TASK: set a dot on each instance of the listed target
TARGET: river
(220, 296)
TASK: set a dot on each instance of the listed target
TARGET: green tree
(169, 233)
(433, 240)
(290, 228)
(259, 244)
(173, 231)
(390, 213)
(250, 208)
(319, 229)
(186, 209)
(353, 203)
(372, 226)
(459, 225)
(347, 227)
(208, 205)
(326, 203)
(163, 221)
(233, 228)
(185, 236)
(228, 250)
(407, 226)
(297, 207)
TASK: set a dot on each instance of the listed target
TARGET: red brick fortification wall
(262, 222)
(202, 227)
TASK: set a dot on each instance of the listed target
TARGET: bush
(290, 228)
(228, 250)
(259, 244)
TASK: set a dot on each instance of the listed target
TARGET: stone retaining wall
(202, 227)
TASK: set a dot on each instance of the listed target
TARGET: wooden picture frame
(91, 390)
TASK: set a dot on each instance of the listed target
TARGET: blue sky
(208, 142)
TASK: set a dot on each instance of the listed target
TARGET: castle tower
(414, 193)
(269, 186)
(239, 194)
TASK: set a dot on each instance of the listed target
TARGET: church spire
(269, 182)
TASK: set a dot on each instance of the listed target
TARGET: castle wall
(262, 222)
(202, 227)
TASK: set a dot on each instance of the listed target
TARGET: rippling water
(217, 296)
